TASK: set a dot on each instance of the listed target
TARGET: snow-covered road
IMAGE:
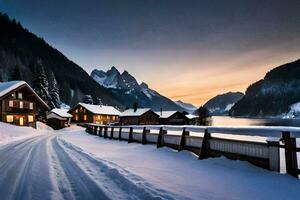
(45, 167)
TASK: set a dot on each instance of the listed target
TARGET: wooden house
(99, 114)
(172, 118)
(140, 116)
(19, 104)
(193, 119)
(58, 118)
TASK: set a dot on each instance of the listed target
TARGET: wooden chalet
(98, 114)
(193, 119)
(140, 116)
(172, 118)
(58, 118)
(19, 104)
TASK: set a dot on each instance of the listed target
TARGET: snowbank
(10, 133)
(183, 174)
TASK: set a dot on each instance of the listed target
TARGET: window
(31, 106)
(99, 117)
(9, 118)
(21, 104)
(84, 117)
(113, 118)
(84, 110)
(11, 103)
(76, 117)
(76, 111)
(30, 118)
(20, 95)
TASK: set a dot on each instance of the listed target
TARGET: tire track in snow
(82, 186)
(116, 181)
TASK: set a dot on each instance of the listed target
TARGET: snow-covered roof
(132, 113)
(190, 116)
(166, 114)
(100, 109)
(61, 112)
(6, 87)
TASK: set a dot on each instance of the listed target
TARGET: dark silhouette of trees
(204, 118)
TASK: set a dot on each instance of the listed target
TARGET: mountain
(21, 51)
(127, 89)
(274, 95)
(190, 108)
(221, 104)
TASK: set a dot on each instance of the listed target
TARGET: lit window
(30, 118)
(76, 117)
(76, 111)
(113, 118)
(9, 118)
(11, 104)
(84, 117)
(21, 104)
(31, 106)
(20, 95)
(107, 117)
(99, 116)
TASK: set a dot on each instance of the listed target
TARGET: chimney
(161, 112)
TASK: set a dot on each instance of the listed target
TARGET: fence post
(105, 132)
(160, 138)
(290, 154)
(130, 135)
(111, 133)
(144, 139)
(120, 133)
(204, 151)
(274, 156)
(95, 130)
(100, 131)
(182, 140)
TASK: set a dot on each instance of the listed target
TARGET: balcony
(16, 105)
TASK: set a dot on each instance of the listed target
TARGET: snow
(61, 112)
(190, 116)
(132, 113)
(10, 133)
(294, 111)
(71, 164)
(101, 109)
(181, 175)
(228, 107)
(166, 114)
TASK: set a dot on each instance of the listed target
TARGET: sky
(188, 50)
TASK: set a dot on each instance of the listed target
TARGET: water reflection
(231, 121)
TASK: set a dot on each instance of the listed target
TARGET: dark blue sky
(159, 41)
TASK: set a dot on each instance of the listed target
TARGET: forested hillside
(25, 56)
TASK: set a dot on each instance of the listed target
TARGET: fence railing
(209, 142)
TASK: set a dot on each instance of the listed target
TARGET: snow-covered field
(9, 133)
(70, 164)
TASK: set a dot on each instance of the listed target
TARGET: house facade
(98, 114)
(141, 116)
(58, 118)
(19, 104)
(172, 118)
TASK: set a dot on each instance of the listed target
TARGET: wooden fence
(208, 142)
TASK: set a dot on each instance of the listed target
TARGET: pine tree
(16, 74)
(99, 101)
(54, 91)
(88, 99)
(40, 83)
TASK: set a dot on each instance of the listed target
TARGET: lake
(233, 121)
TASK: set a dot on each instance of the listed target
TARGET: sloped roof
(61, 112)
(6, 87)
(132, 113)
(100, 109)
(166, 114)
